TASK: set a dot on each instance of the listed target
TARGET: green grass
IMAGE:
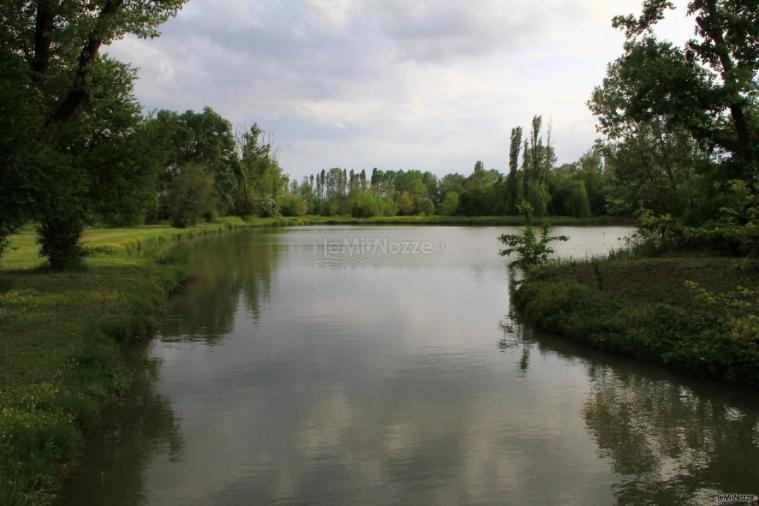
(697, 314)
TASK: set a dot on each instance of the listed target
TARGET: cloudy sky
(432, 85)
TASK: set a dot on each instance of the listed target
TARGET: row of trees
(576, 189)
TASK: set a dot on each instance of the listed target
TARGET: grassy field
(699, 314)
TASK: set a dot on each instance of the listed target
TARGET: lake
(382, 365)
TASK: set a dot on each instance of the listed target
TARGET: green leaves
(530, 249)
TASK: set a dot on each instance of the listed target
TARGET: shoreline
(687, 313)
(63, 337)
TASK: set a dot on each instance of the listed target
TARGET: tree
(51, 49)
(191, 196)
(260, 180)
(450, 204)
(514, 194)
(530, 249)
(707, 88)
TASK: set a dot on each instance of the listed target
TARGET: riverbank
(61, 338)
(458, 220)
(697, 314)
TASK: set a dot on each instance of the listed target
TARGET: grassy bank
(61, 338)
(696, 314)
(456, 220)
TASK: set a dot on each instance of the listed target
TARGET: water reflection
(401, 381)
(229, 271)
(669, 438)
(668, 443)
(134, 431)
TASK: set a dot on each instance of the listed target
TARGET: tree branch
(79, 96)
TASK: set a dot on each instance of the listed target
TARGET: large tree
(706, 88)
(54, 85)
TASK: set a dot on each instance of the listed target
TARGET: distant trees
(579, 189)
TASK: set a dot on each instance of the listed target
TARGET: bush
(530, 249)
(265, 207)
(661, 234)
(292, 204)
(191, 196)
(366, 205)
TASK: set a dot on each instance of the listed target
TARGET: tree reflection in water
(670, 444)
(669, 438)
(224, 277)
(132, 432)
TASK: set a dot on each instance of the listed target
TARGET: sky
(394, 84)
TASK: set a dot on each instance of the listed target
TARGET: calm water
(296, 371)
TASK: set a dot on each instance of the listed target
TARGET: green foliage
(59, 238)
(450, 204)
(577, 204)
(260, 184)
(529, 248)
(659, 234)
(537, 196)
(68, 116)
(292, 204)
(191, 196)
(682, 121)
(265, 207)
(484, 192)
(405, 202)
(711, 334)
(366, 205)
(424, 206)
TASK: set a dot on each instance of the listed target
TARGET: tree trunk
(43, 27)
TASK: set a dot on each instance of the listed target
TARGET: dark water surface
(295, 370)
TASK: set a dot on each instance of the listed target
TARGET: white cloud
(388, 83)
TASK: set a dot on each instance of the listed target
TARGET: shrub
(530, 249)
(191, 196)
(292, 204)
(424, 206)
(265, 207)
